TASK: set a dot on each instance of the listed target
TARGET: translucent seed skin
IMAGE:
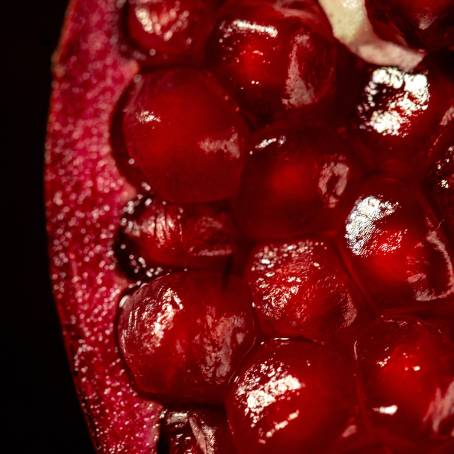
(183, 335)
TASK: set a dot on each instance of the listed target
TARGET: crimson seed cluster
(294, 245)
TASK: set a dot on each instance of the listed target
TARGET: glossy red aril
(423, 24)
(185, 135)
(275, 55)
(170, 31)
(196, 431)
(407, 375)
(402, 114)
(301, 289)
(295, 183)
(396, 247)
(167, 234)
(183, 335)
(440, 184)
(290, 397)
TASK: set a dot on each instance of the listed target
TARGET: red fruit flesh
(290, 397)
(402, 115)
(275, 55)
(183, 335)
(423, 24)
(407, 371)
(300, 289)
(397, 248)
(203, 161)
(178, 236)
(170, 31)
(195, 432)
(296, 183)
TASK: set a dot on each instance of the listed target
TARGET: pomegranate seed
(440, 184)
(397, 248)
(170, 31)
(182, 335)
(290, 397)
(300, 289)
(407, 373)
(426, 24)
(296, 183)
(178, 236)
(402, 114)
(203, 161)
(275, 55)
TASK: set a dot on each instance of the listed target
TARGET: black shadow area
(39, 402)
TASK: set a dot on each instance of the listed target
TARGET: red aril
(301, 289)
(179, 236)
(423, 24)
(440, 184)
(407, 375)
(203, 161)
(401, 116)
(275, 55)
(184, 334)
(396, 247)
(290, 397)
(170, 31)
(296, 183)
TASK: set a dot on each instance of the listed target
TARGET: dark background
(42, 412)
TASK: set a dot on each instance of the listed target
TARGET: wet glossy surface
(301, 289)
(204, 160)
(275, 56)
(290, 397)
(183, 335)
(397, 248)
(172, 31)
(440, 184)
(197, 431)
(407, 375)
(423, 24)
(160, 233)
(401, 115)
(295, 183)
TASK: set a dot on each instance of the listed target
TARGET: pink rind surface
(85, 194)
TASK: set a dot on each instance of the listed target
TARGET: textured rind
(85, 194)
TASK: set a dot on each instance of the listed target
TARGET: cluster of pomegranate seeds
(288, 242)
(299, 226)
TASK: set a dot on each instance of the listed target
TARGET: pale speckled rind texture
(85, 194)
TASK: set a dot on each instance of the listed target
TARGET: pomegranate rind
(84, 196)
